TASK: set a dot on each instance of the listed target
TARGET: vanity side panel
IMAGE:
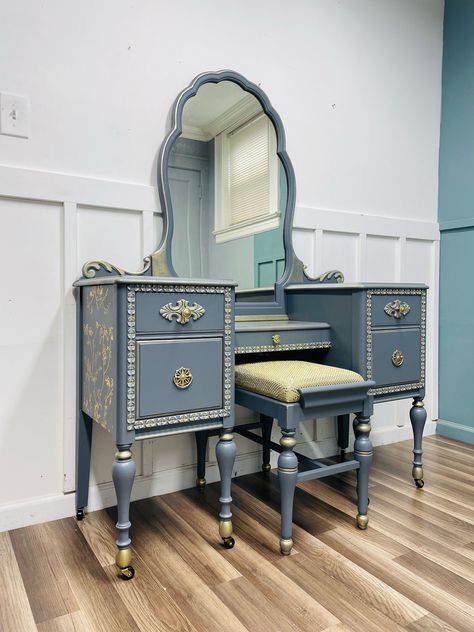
(99, 354)
(335, 308)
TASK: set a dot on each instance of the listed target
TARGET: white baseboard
(46, 508)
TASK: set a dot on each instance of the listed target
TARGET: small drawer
(396, 356)
(395, 310)
(178, 376)
(179, 312)
(281, 340)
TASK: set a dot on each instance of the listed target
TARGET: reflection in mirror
(228, 190)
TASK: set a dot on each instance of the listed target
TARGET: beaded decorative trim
(296, 346)
(396, 388)
(202, 415)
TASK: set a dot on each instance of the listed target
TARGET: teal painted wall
(456, 217)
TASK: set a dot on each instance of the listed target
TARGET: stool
(293, 391)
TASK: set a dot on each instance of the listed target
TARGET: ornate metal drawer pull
(276, 339)
(397, 309)
(397, 358)
(183, 311)
(182, 377)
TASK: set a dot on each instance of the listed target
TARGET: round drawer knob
(276, 339)
(182, 377)
(397, 358)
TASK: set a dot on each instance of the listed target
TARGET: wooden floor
(413, 569)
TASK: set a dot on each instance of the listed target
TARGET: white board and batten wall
(358, 88)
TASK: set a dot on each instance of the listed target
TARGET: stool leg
(123, 475)
(343, 433)
(287, 476)
(418, 419)
(363, 453)
(267, 424)
(201, 445)
(225, 454)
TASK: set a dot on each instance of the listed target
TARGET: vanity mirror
(227, 188)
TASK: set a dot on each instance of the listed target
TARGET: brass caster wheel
(266, 467)
(419, 482)
(127, 573)
(80, 514)
(286, 544)
(362, 521)
(229, 543)
(200, 483)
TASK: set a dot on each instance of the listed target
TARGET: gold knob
(182, 377)
(185, 313)
(276, 339)
(397, 358)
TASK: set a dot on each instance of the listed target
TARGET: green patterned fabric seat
(283, 379)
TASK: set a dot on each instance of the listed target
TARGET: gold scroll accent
(397, 309)
(90, 268)
(183, 311)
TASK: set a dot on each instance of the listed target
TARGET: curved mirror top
(228, 190)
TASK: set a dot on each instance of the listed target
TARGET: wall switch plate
(14, 115)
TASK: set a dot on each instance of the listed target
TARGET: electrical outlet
(14, 115)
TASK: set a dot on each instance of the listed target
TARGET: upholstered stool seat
(283, 379)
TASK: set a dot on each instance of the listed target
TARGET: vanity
(157, 348)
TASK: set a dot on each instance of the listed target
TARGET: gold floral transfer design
(98, 338)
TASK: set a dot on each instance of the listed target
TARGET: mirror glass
(228, 190)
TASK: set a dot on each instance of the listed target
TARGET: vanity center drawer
(180, 375)
(179, 312)
(281, 339)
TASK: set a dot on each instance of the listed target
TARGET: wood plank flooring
(413, 569)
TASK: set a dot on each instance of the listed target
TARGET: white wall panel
(381, 259)
(30, 343)
(110, 234)
(340, 253)
(303, 243)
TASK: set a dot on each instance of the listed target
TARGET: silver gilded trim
(396, 388)
(203, 415)
(296, 346)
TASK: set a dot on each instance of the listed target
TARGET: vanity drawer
(179, 312)
(395, 310)
(396, 356)
(178, 376)
(281, 340)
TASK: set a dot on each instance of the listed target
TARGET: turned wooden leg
(363, 453)
(343, 434)
(287, 475)
(201, 446)
(418, 419)
(123, 475)
(267, 424)
(225, 454)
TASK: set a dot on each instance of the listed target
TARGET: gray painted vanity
(156, 348)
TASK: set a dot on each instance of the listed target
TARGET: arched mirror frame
(162, 259)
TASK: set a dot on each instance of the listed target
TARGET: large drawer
(283, 338)
(197, 364)
(179, 312)
(395, 310)
(396, 356)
